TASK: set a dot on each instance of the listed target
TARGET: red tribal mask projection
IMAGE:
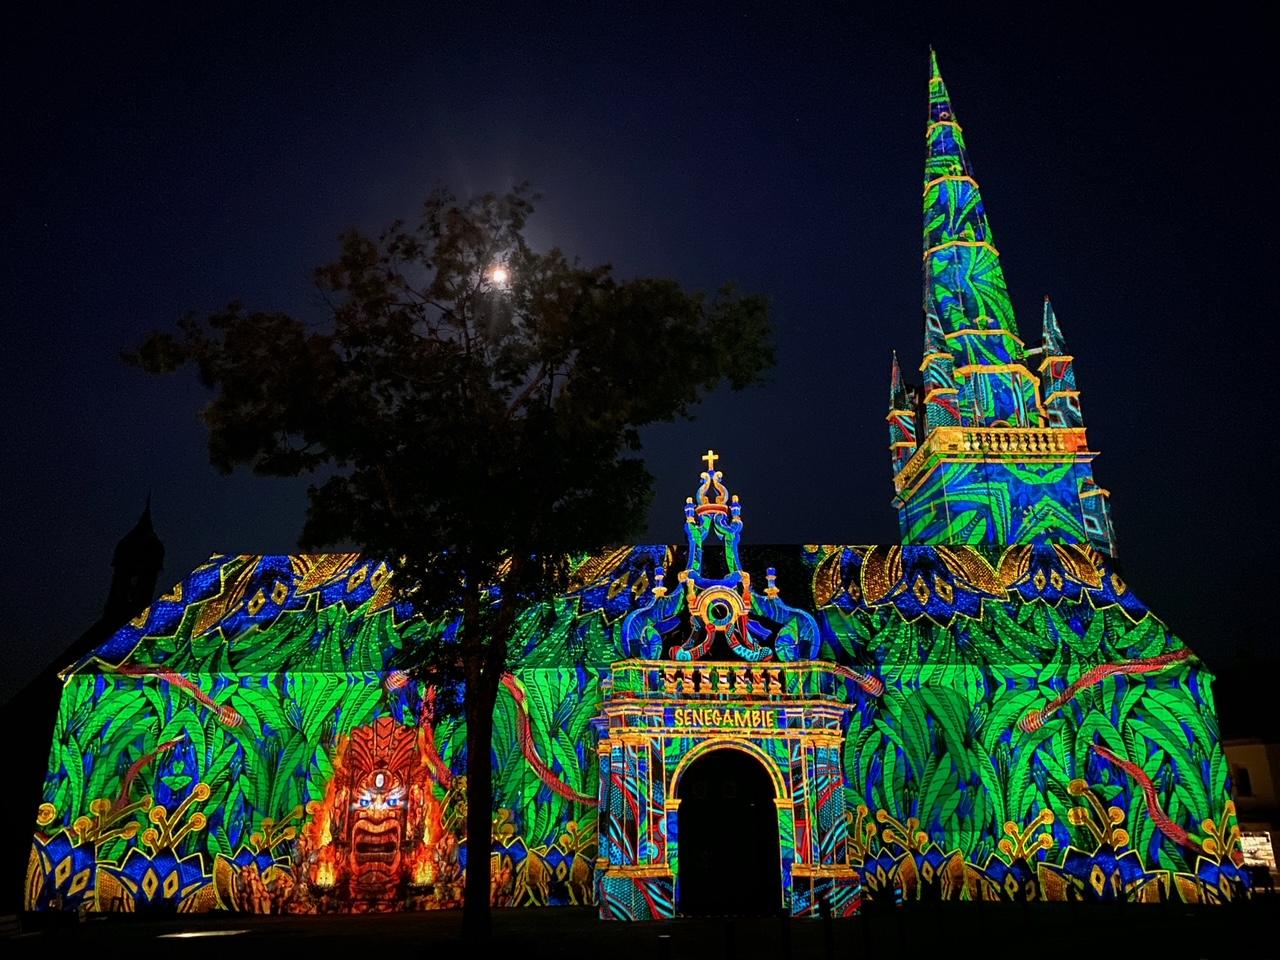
(377, 816)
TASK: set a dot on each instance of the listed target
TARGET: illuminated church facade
(984, 711)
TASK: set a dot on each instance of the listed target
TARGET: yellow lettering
(724, 717)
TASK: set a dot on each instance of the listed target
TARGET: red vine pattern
(1034, 720)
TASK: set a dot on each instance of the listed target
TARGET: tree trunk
(481, 695)
(485, 652)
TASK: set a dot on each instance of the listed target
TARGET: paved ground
(946, 931)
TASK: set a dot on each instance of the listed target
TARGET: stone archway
(660, 720)
(728, 829)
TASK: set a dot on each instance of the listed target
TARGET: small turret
(136, 565)
(901, 418)
(1051, 337)
(1095, 504)
(1058, 376)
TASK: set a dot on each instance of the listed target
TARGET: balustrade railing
(1035, 441)
(734, 680)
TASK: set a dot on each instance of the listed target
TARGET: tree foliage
(472, 408)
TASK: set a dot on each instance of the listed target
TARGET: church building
(983, 711)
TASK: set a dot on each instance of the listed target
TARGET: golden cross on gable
(710, 456)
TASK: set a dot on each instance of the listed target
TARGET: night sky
(157, 161)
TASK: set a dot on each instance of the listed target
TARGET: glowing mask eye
(364, 802)
(394, 802)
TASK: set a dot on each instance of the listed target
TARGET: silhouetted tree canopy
(473, 408)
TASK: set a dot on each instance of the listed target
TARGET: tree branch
(523, 395)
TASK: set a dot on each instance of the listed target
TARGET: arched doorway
(728, 835)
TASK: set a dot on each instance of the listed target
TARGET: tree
(473, 407)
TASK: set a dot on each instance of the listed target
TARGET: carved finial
(711, 484)
(718, 501)
(659, 587)
(771, 590)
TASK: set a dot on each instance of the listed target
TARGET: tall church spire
(947, 154)
(988, 460)
(968, 316)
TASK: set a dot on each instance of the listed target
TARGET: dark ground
(951, 930)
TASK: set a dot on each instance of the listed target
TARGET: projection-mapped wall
(1039, 734)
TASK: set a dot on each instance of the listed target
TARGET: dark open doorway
(728, 832)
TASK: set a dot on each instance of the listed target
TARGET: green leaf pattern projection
(993, 713)
(985, 502)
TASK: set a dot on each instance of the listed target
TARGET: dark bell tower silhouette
(136, 566)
